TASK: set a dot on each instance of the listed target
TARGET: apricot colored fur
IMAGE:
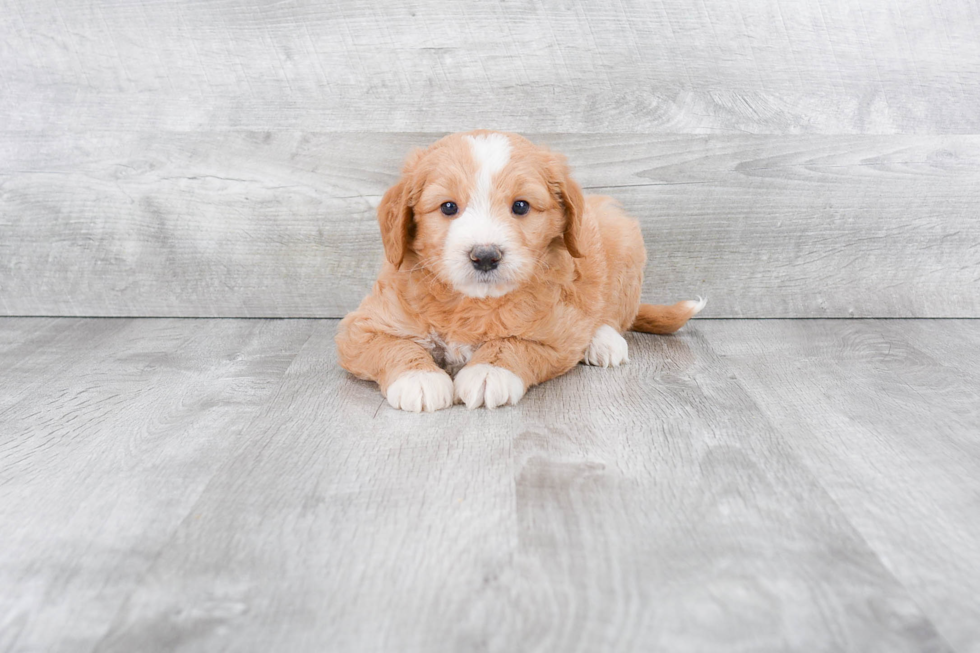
(587, 270)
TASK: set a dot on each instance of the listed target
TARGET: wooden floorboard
(887, 415)
(102, 461)
(199, 485)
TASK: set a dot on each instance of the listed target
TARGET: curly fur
(572, 265)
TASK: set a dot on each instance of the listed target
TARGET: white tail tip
(696, 306)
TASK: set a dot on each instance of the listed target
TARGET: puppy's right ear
(395, 212)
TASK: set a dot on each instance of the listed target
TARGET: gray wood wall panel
(760, 66)
(282, 224)
(787, 158)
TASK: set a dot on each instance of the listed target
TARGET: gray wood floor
(210, 485)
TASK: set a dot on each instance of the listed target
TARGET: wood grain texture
(194, 485)
(731, 66)
(282, 225)
(123, 424)
(887, 415)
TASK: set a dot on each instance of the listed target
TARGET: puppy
(499, 274)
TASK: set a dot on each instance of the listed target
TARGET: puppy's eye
(448, 208)
(520, 207)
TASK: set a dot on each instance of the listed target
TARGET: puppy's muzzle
(486, 257)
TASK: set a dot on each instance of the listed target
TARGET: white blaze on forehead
(477, 225)
(491, 153)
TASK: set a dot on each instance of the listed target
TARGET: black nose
(486, 258)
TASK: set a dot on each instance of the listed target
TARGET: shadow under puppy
(498, 272)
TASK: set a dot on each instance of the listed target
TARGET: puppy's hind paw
(487, 385)
(418, 391)
(607, 349)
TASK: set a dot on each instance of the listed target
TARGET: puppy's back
(624, 256)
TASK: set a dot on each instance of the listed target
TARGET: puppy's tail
(666, 319)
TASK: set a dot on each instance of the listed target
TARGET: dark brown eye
(448, 208)
(520, 207)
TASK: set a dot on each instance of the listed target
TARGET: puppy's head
(481, 211)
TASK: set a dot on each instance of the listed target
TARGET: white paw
(607, 349)
(487, 385)
(418, 391)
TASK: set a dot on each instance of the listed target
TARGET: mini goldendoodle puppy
(499, 275)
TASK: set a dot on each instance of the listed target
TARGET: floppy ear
(569, 195)
(395, 220)
(395, 212)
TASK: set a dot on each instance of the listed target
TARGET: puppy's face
(481, 211)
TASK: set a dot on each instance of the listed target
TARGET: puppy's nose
(486, 257)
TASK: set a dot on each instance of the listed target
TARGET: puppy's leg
(607, 349)
(404, 370)
(501, 371)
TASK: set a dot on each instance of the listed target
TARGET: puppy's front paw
(418, 391)
(487, 385)
(607, 349)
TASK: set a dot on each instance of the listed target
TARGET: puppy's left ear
(569, 195)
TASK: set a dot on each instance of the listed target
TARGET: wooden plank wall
(224, 157)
